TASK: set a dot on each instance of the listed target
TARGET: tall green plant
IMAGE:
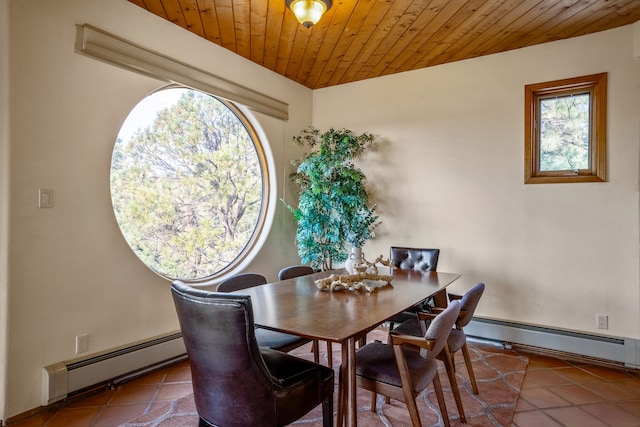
(333, 207)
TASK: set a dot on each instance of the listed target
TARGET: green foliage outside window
(333, 207)
(564, 133)
(187, 189)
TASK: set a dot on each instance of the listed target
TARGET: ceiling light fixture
(308, 12)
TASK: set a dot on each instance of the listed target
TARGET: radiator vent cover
(621, 350)
(61, 379)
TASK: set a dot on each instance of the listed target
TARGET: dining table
(297, 306)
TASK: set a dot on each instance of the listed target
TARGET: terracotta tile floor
(554, 393)
(109, 408)
(564, 393)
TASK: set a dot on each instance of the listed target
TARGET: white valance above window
(107, 47)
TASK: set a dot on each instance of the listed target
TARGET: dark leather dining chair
(266, 337)
(412, 259)
(237, 383)
(415, 258)
(291, 272)
(402, 369)
(457, 340)
(241, 281)
(295, 271)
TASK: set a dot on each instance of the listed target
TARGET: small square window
(565, 130)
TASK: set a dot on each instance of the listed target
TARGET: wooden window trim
(596, 86)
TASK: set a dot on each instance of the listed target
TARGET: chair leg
(315, 348)
(407, 386)
(374, 398)
(329, 354)
(437, 386)
(413, 412)
(362, 341)
(342, 401)
(467, 361)
(327, 412)
(448, 363)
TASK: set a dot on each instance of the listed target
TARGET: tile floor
(555, 392)
(564, 393)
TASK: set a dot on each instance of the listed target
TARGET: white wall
(449, 174)
(71, 270)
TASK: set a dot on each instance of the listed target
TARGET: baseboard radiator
(622, 351)
(62, 379)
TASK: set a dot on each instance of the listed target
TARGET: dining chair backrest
(295, 271)
(468, 303)
(235, 382)
(241, 281)
(423, 259)
(304, 270)
(224, 356)
(440, 327)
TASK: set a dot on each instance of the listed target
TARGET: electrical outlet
(82, 343)
(602, 321)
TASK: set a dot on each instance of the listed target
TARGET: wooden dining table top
(298, 307)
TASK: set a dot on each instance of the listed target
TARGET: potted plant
(333, 206)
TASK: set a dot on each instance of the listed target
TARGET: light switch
(45, 198)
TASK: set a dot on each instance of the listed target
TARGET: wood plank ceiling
(362, 39)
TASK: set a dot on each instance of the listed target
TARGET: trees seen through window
(187, 187)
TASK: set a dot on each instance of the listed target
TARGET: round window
(187, 184)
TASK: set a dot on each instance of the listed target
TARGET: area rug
(499, 375)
